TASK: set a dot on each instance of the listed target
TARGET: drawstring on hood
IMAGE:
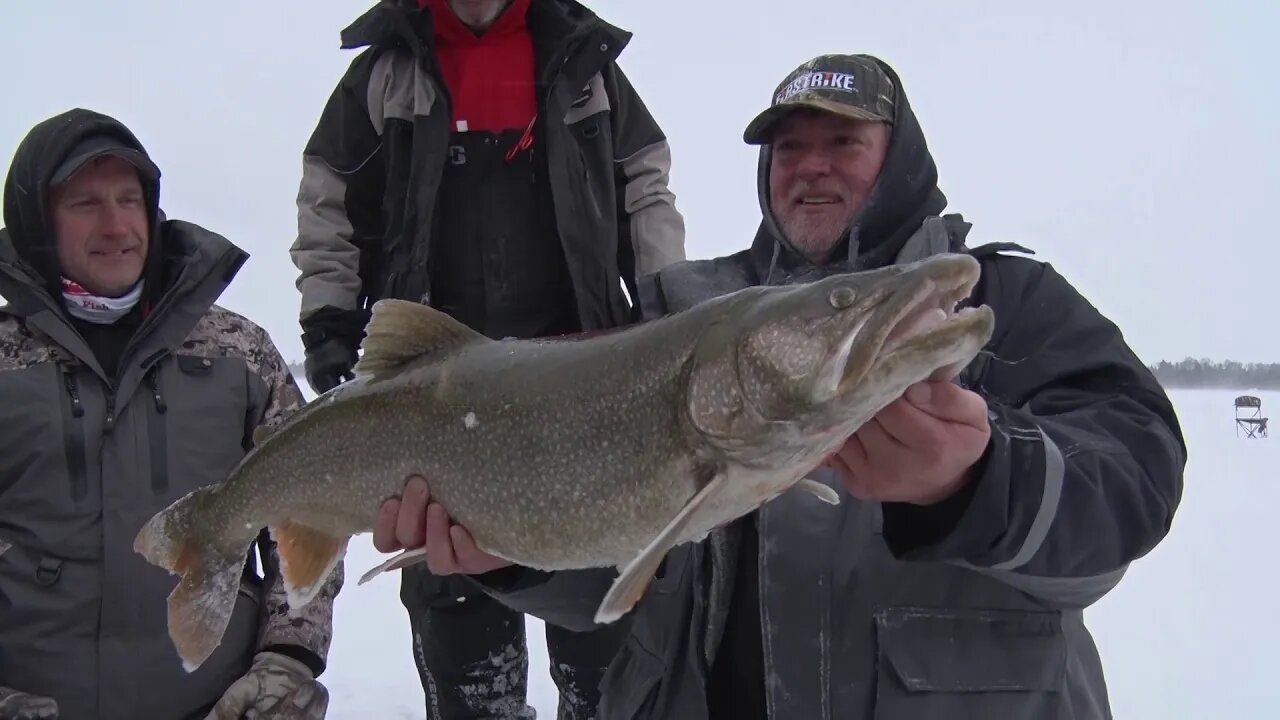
(28, 215)
(905, 192)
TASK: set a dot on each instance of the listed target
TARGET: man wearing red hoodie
(489, 158)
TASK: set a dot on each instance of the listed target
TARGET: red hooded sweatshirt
(490, 76)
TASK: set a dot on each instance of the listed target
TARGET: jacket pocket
(629, 688)
(43, 464)
(591, 100)
(968, 663)
(197, 411)
(49, 610)
(165, 690)
(669, 577)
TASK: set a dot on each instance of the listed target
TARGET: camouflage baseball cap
(854, 86)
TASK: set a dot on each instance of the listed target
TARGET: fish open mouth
(916, 315)
(933, 306)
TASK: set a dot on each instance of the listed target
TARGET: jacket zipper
(74, 439)
(157, 428)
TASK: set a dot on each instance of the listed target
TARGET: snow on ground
(1191, 631)
(371, 672)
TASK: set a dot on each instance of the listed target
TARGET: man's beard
(815, 238)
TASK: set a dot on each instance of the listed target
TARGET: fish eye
(842, 298)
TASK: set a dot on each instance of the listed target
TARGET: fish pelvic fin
(201, 604)
(307, 558)
(399, 562)
(629, 587)
(818, 490)
(400, 331)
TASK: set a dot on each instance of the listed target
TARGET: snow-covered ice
(1191, 631)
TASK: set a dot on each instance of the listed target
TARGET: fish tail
(200, 606)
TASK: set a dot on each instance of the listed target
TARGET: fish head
(785, 374)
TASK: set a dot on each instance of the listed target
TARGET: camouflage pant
(473, 660)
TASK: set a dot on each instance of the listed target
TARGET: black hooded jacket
(906, 192)
(972, 607)
(385, 183)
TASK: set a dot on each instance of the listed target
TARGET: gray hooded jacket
(86, 457)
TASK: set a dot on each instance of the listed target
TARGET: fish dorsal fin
(400, 331)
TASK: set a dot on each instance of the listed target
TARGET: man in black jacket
(489, 158)
(978, 518)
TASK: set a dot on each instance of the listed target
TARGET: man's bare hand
(919, 448)
(413, 521)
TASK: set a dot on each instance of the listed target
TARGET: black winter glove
(331, 337)
(329, 364)
(17, 705)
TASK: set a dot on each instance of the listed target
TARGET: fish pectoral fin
(400, 331)
(629, 586)
(307, 557)
(399, 562)
(817, 489)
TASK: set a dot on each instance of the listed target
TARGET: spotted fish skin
(572, 453)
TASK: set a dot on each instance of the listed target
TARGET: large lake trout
(604, 451)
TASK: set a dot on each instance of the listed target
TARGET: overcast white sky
(1131, 144)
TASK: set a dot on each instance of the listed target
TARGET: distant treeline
(1193, 373)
